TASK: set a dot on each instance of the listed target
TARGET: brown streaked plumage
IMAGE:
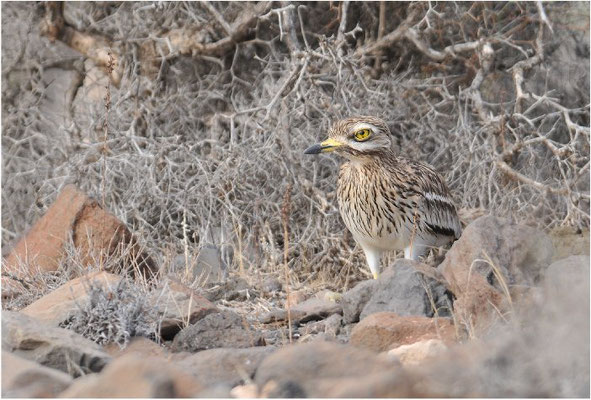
(387, 201)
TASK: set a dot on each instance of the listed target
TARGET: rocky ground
(504, 313)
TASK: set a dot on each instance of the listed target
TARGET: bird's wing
(436, 206)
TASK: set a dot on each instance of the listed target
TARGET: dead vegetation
(212, 104)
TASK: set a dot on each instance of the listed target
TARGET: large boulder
(53, 347)
(386, 330)
(497, 249)
(95, 234)
(405, 288)
(493, 256)
(223, 329)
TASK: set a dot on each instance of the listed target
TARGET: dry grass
(202, 149)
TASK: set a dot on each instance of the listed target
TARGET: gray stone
(405, 290)
(330, 326)
(224, 329)
(52, 347)
(25, 378)
(355, 299)
(230, 366)
(313, 309)
(234, 288)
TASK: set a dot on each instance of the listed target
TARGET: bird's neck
(362, 161)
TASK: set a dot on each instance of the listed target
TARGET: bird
(388, 202)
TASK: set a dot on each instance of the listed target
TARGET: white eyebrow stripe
(437, 197)
(364, 125)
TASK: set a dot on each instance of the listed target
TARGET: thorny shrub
(114, 315)
(205, 137)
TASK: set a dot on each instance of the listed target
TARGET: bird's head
(355, 138)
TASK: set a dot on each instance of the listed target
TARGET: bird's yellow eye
(362, 134)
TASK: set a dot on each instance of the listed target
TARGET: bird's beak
(324, 147)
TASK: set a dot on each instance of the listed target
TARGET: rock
(355, 299)
(52, 347)
(330, 326)
(519, 252)
(386, 330)
(313, 309)
(402, 288)
(24, 378)
(180, 306)
(278, 315)
(295, 370)
(230, 366)
(93, 230)
(416, 353)
(224, 329)
(519, 255)
(56, 306)
(234, 288)
(136, 376)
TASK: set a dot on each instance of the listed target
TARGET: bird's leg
(373, 260)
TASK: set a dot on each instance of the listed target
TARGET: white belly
(389, 242)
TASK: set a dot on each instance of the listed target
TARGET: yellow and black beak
(324, 147)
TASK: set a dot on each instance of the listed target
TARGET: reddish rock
(56, 306)
(386, 330)
(94, 231)
(136, 376)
